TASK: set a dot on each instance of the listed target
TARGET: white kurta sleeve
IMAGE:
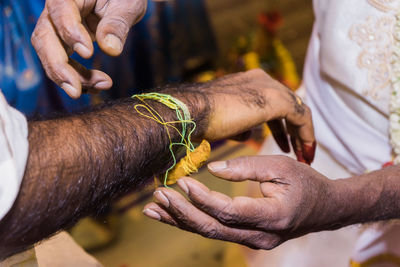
(13, 154)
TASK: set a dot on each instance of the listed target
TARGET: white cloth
(377, 241)
(347, 79)
(13, 154)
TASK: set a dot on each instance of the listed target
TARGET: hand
(244, 100)
(67, 26)
(295, 203)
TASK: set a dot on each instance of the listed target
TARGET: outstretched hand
(296, 202)
(67, 26)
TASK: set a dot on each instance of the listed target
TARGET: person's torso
(348, 79)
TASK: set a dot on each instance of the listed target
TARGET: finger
(66, 73)
(309, 151)
(301, 119)
(255, 168)
(279, 133)
(117, 18)
(305, 153)
(156, 212)
(237, 212)
(54, 57)
(239, 169)
(91, 80)
(295, 142)
(67, 20)
(189, 218)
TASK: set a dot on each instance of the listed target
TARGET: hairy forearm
(366, 198)
(77, 164)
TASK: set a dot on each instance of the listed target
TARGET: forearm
(78, 164)
(366, 198)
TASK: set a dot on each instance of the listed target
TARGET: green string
(184, 118)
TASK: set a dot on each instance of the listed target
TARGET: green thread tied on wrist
(184, 119)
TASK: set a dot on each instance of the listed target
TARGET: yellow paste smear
(191, 163)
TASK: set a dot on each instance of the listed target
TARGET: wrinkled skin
(266, 100)
(293, 203)
(67, 26)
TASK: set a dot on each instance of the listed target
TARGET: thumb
(257, 168)
(117, 19)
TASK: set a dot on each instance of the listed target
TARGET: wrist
(343, 204)
(328, 211)
(198, 105)
(357, 199)
(334, 207)
(180, 110)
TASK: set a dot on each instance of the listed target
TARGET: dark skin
(296, 201)
(79, 163)
(69, 26)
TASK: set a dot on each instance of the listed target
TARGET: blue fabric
(158, 51)
(162, 47)
(22, 79)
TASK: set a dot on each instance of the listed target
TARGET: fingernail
(182, 184)
(152, 214)
(309, 152)
(72, 91)
(217, 166)
(162, 198)
(82, 50)
(103, 85)
(113, 42)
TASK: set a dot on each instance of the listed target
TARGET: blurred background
(231, 19)
(177, 41)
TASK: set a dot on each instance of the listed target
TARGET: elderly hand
(244, 100)
(67, 26)
(295, 203)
